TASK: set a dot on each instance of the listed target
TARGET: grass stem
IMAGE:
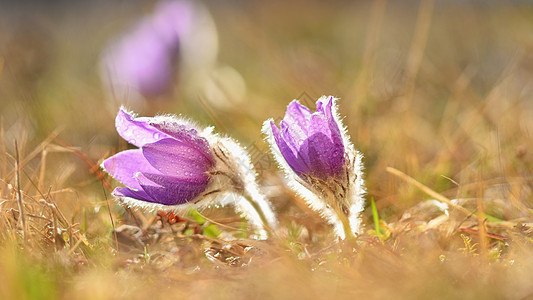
(22, 215)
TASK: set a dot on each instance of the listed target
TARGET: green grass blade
(376, 218)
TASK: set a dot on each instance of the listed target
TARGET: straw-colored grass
(437, 96)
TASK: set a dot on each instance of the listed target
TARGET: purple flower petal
(129, 193)
(317, 146)
(326, 156)
(311, 143)
(147, 62)
(170, 168)
(332, 123)
(337, 159)
(297, 117)
(173, 19)
(297, 144)
(141, 61)
(123, 166)
(169, 190)
(178, 159)
(137, 131)
(290, 155)
(186, 135)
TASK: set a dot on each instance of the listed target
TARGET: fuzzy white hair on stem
(251, 203)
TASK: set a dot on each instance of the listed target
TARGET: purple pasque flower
(145, 60)
(311, 143)
(320, 162)
(178, 166)
(171, 165)
(140, 62)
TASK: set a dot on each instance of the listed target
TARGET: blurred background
(429, 87)
(440, 90)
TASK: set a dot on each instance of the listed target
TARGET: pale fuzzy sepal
(239, 161)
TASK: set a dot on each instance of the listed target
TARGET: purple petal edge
(123, 166)
(178, 159)
(136, 131)
(167, 190)
(128, 193)
(311, 143)
(290, 155)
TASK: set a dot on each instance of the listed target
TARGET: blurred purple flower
(171, 166)
(144, 61)
(311, 143)
(172, 20)
(141, 61)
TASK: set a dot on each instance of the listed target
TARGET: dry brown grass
(438, 97)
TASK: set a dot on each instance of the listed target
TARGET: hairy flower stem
(342, 217)
(260, 212)
(237, 182)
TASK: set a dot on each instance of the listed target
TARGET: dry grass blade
(19, 195)
(111, 217)
(360, 88)
(418, 46)
(37, 150)
(93, 168)
(4, 157)
(427, 190)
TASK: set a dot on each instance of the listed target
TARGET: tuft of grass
(375, 216)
